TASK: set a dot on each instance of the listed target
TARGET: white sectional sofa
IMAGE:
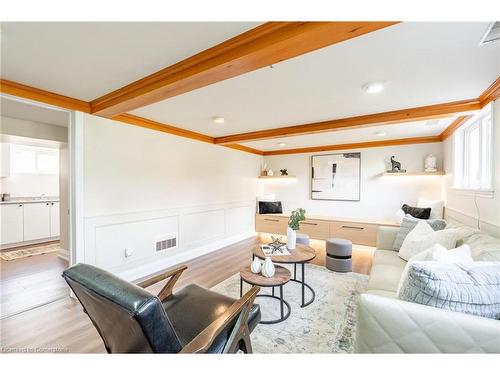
(388, 325)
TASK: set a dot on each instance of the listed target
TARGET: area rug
(30, 251)
(325, 326)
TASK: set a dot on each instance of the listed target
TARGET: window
(33, 160)
(473, 144)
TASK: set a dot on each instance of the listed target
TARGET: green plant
(296, 217)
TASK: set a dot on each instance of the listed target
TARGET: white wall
(32, 129)
(140, 184)
(460, 205)
(64, 199)
(381, 196)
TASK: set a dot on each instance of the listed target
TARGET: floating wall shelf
(277, 177)
(438, 173)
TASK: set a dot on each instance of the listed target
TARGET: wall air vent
(168, 241)
(492, 33)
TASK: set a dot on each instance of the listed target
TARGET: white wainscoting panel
(200, 229)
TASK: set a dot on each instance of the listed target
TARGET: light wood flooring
(31, 281)
(62, 326)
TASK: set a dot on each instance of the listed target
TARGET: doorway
(35, 244)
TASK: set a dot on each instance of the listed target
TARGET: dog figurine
(396, 165)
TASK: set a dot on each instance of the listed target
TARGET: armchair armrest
(166, 291)
(238, 309)
(387, 325)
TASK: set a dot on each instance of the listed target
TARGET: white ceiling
(422, 63)
(31, 112)
(85, 60)
(367, 134)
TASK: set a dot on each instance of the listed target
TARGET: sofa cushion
(385, 277)
(423, 237)
(418, 212)
(472, 288)
(437, 207)
(407, 226)
(483, 246)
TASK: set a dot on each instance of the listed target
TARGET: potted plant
(293, 226)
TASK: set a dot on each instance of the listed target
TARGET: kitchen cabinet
(54, 219)
(12, 223)
(36, 221)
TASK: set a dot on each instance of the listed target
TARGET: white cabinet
(36, 221)
(12, 223)
(54, 219)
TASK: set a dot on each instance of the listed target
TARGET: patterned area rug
(30, 251)
(325, 326)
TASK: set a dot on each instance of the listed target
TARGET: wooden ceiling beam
(165, 128)
(491, 93)
(42, 96)
(352, 146)
(262, 46)
(244, 148)
(459, 121)
(392, 117)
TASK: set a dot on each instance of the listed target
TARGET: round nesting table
(300, 255)
(280, 278)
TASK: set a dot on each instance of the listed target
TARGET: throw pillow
(423, 237)
(436, 207)
(418, 212)
(472, 288)
(438, 253)
(408, 224)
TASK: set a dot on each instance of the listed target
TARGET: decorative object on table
(276, 242)
(256, 266)
(338, 255)
(430, 164)
(272, 251)
(396, 166)
(270, 173)
(284, 172)
(336, 176)
(268, 269)
(293, 226)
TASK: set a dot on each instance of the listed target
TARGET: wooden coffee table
(300, 255)
(280, 278)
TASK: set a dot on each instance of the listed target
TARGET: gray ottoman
(303, 239)
(338, 255)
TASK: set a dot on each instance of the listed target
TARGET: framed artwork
(336, 177)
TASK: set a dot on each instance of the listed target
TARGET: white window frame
(483, 121)
(36, 151)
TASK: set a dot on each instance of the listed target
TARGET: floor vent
(166, 242)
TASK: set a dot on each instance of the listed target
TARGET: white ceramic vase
(291, 238)
(255, 266)
(268, 268)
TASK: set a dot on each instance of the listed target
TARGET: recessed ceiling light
(282, 144)
(380, 133)
(219, 120)
(374, 87)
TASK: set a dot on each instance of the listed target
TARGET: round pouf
(338, 255)
(303, 239)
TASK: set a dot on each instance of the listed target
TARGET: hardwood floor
(62, 326)
(29, 282)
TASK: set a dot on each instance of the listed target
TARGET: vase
(291, 238)
(255, 266)
(268, 268)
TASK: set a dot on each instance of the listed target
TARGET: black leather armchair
(193, 320)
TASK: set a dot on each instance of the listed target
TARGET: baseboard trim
(63, 254)
(28, 243)
(153, 267)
